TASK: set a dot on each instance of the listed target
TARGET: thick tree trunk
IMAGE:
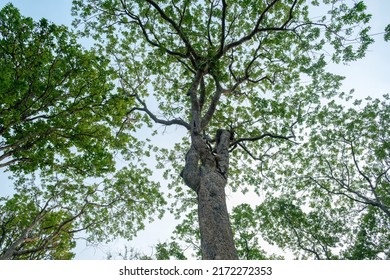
(215, 229)
(206, 173)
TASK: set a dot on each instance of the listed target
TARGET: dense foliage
(63, 129)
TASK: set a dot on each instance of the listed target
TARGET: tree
(62, 131)
(353, 153)
(337, 182)
(230, 74)
(54, 99)
(43, 221)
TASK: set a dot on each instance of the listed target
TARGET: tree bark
(206, 173)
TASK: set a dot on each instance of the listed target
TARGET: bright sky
(369, 77)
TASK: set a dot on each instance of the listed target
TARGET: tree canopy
(256, 66)
(62, 131)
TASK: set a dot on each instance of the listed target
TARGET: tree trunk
(206, 173)
(215, 229)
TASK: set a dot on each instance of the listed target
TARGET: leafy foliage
(387, 33)
(58, 107)
(372, 239)
(337, 180)
(64, 129)
(28, 232)
(257, 60)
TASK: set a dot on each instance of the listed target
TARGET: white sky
(369, 77)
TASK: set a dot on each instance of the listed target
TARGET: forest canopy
(245, 82)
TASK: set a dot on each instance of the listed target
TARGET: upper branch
(192, 92)
(212, 6)
(248, 37)
(181, 12)
(223, 24)
(161, 121)
(137, 20)
(145, 108)
(213, 104)
(224, 48)
(250, 153)
(290, 16)
(358, 168)
(175, 26)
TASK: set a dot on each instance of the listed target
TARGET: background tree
(31, 232)
(230, 74)
(337, 181)
(352, 151)
(62, 132)
(56, 100)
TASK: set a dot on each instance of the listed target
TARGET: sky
(368, 77)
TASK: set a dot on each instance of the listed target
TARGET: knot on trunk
(201, 159)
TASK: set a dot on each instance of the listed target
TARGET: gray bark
(206, 173)
(23, 238)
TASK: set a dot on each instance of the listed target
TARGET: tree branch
(9, 162)
(223, 25)
(213, 104)
(145, 108)
(12, 249)
(161, 121)
(255, 30)
(175, 27)
(299, 238)
(358, 168)
(290, 17)
(136, 19)
(256, 138)
(212, 6)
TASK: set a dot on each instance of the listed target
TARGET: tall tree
(62, 130)
(230, 74)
